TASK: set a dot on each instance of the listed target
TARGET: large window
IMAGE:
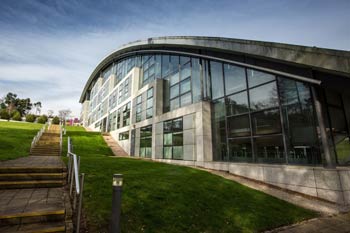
(139, 108)
(124, 136)
(173, 139)
(247, 121)
(146, 142)
(126, 114)
(149, 103)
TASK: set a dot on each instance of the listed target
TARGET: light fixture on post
(117, 185)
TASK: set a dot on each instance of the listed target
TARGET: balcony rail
(75, 182)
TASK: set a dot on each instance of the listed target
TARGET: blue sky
(49, 48)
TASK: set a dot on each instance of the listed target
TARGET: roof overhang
(335, 61)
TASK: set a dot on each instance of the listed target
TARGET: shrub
(55, 120)
(16, 116)
(4, 114)
(42, 119)
(30, 118)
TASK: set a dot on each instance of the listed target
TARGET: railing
(37, 136)
(76, 185)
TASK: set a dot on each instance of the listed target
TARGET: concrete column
(204, 133)
(321, 122)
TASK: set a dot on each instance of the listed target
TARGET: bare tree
(49, 113)
(64, 114)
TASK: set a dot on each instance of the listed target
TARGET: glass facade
(261, 118)
(256, 116)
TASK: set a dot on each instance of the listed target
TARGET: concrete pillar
(323, 133)
(204, 133)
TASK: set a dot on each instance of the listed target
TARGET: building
(272, 112)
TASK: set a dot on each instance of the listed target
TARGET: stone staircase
(49, 143)
(32, 196)
(113, 144)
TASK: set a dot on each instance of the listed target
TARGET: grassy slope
(15, 138)
(160, 197)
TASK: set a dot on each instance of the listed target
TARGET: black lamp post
(116, 202)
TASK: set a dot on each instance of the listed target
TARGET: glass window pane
(238, 126)
(186, 71)
(175, 103)
(177, 125)
(168, 139)
(257, 77)
(237, 104)
(139, 99)
(177, 152)
(167, 126)
(219, 130)
(185, 86)
(168, 152)
(138, 117)
(149, 113)
(174, 78)
(184, 60)
(178, 139)
(235, 79)
(263, 97)
(186, 99)
(217, 83)
(266, 122)
(149, 93)
(196, 80)
(174, 64)
(165, 65)
(149, 103)
(174, 91)
(270, 149)
(299, 120)
(240, 150)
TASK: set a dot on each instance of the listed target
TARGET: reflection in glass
(270, 149)
(235, 79)
(219, 130)
(185, 99)
(258, 77)
(237, 104)
(185, 86)
(240, 150)
(217, 82)
(266, 122)
(263, 97)
(238, 126)
(299, 122)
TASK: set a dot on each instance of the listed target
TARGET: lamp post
(116, 202)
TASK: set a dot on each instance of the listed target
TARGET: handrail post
(80, 200)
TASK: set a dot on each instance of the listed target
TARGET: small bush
(55, 120)
(16, 116)
(42, 119)
(4, 114)
(30, 118)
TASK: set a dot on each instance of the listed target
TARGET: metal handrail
(37, 136)
(73, 180)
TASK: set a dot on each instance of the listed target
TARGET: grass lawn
(160, 197)
(16, 138)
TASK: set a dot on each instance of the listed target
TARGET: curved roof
(337, 61)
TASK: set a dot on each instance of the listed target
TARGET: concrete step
(5, 170)
(38, 215)
(45, 151)
(31, 184)
(32, 176)
(44, 154)
(50, 227)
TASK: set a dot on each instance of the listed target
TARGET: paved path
(329, 224)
